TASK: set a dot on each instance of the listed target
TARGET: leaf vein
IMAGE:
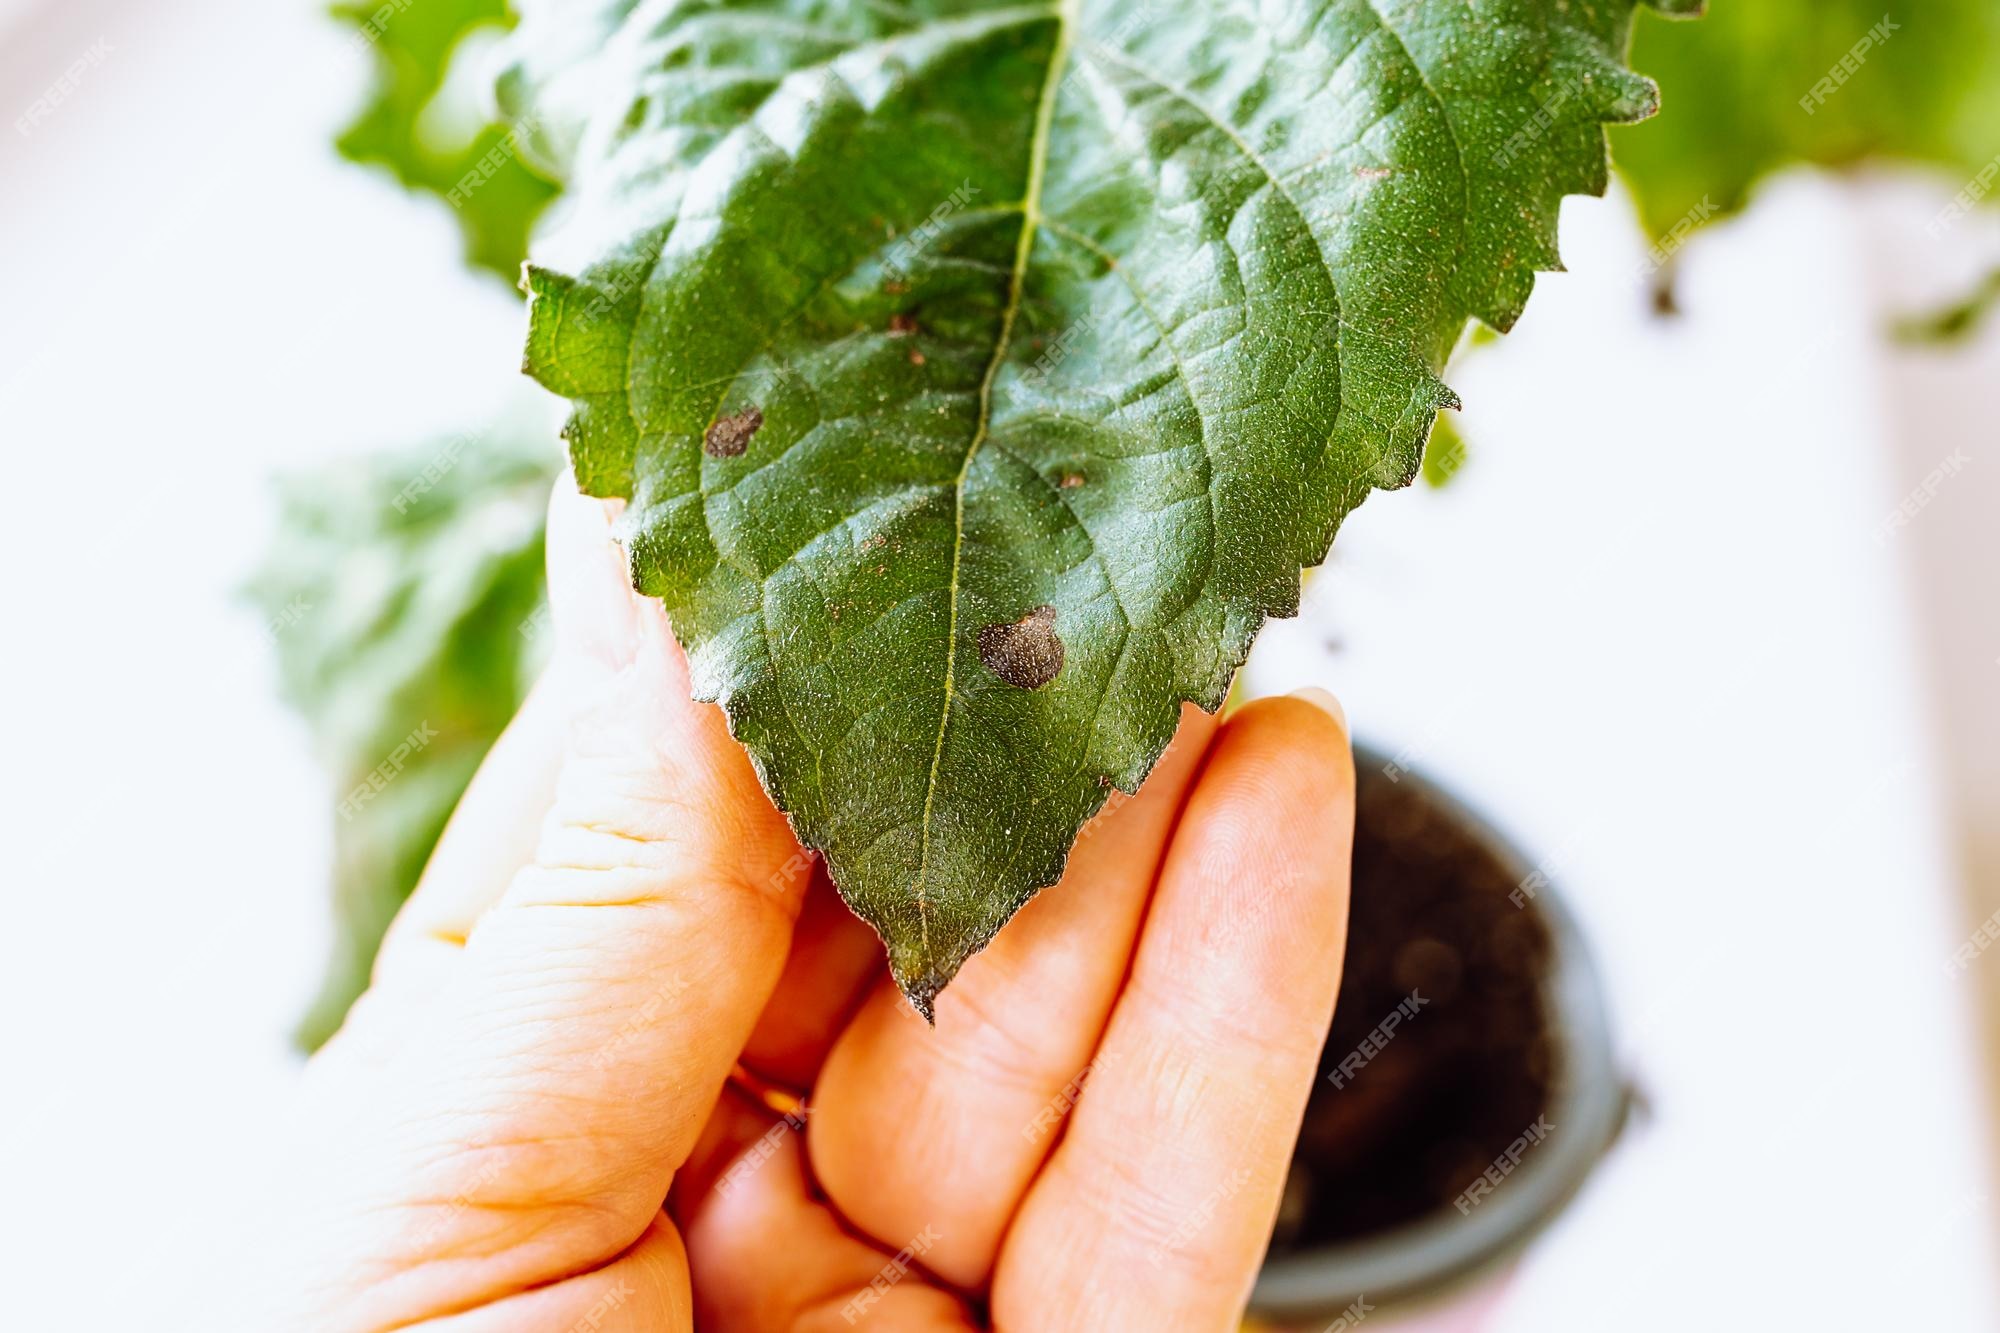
(1031, 209)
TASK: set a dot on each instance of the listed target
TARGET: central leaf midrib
(1031, 213)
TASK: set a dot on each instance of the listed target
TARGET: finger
(1155, 1209)
(644, 1290)
(490, 836)
(834, 959)
(766, 1257)
(916, 1126)
(562, 1073)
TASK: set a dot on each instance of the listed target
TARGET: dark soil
(1435, 940)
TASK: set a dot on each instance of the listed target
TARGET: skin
(528, 1123)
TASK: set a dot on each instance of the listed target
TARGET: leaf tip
(922, 993)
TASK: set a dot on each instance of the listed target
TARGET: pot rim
(1584, 1116)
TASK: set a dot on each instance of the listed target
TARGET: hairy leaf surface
(981, 376)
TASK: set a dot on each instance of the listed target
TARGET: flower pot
(1468, 1087)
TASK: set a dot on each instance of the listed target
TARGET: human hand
(530, 1121)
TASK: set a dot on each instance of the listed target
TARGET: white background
(1655, 628)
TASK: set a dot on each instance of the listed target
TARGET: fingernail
(590, 589)
(1323, 700)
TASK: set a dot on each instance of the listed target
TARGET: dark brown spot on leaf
(730, 435)
(902, 324)
(1026, 653)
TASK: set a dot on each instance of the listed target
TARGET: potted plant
(1469, 1084)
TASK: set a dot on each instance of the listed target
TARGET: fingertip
(1295, 738)
(1256, 882)
(1324, 700)
(591, 602)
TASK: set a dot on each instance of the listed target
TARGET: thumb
(563, 1069)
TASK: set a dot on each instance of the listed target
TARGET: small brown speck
(1027, 653)
(1371, 173)
(1071, 480)
(902, 324)
(730, 435)
(895, 287)
(1665, 300)
(916, 357)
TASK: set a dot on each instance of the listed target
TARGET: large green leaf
(1765, 84)
(982, 375)
(411, 126)
(401, 597)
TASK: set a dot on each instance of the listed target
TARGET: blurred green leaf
(402, 595)
(433, 127)
(1954, 322)
(1445, 454)
(1760, 85)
